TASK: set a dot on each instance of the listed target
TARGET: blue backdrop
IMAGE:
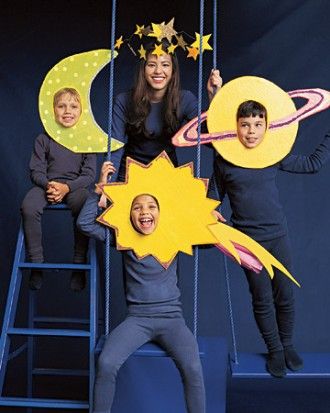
(286, 42)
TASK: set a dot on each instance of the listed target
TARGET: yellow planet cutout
(221, 116)
(185, 219)
(77, 71)
(276, 144)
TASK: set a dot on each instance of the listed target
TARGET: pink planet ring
(317, 100)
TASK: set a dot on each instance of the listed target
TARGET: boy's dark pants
(32, 209)
(272, 300)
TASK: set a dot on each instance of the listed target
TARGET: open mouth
(146, 223)
(158, 79)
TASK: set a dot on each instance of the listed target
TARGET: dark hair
(251, 108)
(140, 98)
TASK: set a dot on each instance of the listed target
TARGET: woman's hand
(106, 170)
(214, 83)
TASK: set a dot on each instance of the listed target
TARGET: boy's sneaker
(78, 281)
(35, 280)
(275, 364)
(293, 361)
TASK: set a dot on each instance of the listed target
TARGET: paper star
(157, 31)
(181, 42)
(168, 30)
(193, 52)
(158, 51)
(142, 52)
(139, 30)
(146, 31)
(171, 48)
(205, 40)
(119, 42)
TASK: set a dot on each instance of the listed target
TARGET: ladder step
(48, 332)
(55, 266)
(46, 403)
(59, 372)
(64, 320)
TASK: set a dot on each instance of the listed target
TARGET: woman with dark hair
(147, 117)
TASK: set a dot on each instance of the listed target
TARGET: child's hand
(56, 191)
(214, 83)
(218, 216)
(106, 170)
(102, 202)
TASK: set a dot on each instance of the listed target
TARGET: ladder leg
(11, 307)
(93, 322)
(30, 347)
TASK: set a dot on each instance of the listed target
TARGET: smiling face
(67, 110)
(251, 130)
(158, 73)
(145, 214)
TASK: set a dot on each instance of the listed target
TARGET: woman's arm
(214, 83)
(119, 123)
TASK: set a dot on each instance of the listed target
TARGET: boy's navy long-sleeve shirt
(51, 161)
(253, 193)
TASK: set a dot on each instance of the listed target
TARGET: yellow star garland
(139, 31)
(142, 52)
(193, 52)
(119, 42)
(158, 51)
(205, 39)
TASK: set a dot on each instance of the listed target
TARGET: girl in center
(154, 311)
(147, 117)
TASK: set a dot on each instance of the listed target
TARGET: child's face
(251, 130)
(158, 71)
(67, 110)
(144, 214)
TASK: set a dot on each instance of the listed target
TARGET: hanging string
(198, 156)
(107, 298)
(215, 18)
(213, 183)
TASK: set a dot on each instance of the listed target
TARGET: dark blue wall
(284, 41)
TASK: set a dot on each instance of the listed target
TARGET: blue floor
(278, 395)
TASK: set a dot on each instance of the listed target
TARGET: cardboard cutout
(78, 72)
(185, 220)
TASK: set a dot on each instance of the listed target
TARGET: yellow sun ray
(227, 235)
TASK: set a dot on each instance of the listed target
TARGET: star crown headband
(166, 41)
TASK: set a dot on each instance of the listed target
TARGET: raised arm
(214, 83)
(119, 122)
(308, 164)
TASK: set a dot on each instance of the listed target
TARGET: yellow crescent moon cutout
(77, 71)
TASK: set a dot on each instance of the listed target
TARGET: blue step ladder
(34, 329)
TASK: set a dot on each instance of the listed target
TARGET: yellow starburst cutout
(185, 211)
(185, 218)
